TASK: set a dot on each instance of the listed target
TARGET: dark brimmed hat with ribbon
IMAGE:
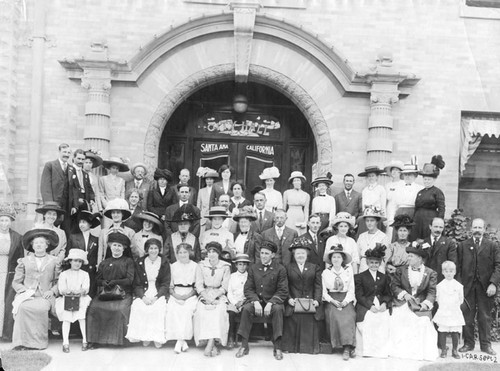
(51, 237)
(403, 220)
(433, 168)
(116, 161)
(95, 157)
(51, 206)
(377, 253)
(185, 213)
(347, 258)
(92, 219)
(322, 179)
(118, 237)
(371, 169)
(419, 247)
(151, 217)
(219, 211)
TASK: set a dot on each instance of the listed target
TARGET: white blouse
(348, 244)
(274, 199)
(235, 291)
(347, 277)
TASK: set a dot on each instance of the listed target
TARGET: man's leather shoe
(278, 354)
(242, 352)
(489, 350)
(466, 348)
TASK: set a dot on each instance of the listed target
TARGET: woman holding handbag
(108, 313)
(338, 295)
(301, 331)
(73, 285)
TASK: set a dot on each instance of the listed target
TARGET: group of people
(370, 272)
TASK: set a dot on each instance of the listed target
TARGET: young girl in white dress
(449, 317)
(73, 281)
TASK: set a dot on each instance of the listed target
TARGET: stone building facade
(374, 80)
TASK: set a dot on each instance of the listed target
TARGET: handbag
(72, 303)
(304, 305)
(112, 293)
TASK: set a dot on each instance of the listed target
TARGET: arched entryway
(205, 131)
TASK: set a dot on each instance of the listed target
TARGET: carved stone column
(97, 131)
(244, 23)
(384, 92)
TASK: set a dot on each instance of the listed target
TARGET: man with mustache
(54, 184)
(479, 271)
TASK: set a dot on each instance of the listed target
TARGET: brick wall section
(457, 59)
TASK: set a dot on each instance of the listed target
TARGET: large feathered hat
(433, 168)
(419, 247)
(403, 220)
(378, 252)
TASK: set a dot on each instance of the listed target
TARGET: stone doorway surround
(301, 50)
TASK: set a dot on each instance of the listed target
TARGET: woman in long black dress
(301, 333)
(11, 249)
(107, 320)
(430, 202)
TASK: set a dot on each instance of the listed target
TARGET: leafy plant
(456, 226)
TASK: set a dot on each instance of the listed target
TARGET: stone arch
(259, 74)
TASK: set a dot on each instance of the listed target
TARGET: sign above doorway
(253, 125)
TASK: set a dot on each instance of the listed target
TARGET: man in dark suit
(184, 177)
(85, 241)
(442, 248)
(170, 226)
(246, 240)
(317, 242)
(479, 271)
(81, 193)
(282, 236)
(265, 218)
(54, 183)
(266, 290)
(348, 199)
(139, 172)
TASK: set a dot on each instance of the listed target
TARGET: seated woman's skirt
(412, 337)
(211, 322)
(147, 322)
(107, 321)
(372, 335)
(179, 319)
(301, 334)
(340, 324)
(31, 323)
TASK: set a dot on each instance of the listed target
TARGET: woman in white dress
(185, 275)
(373, 296)
(149, 308)
(296, 203)
(343, 222)
(323, 204)
(211, 320)
(370, 238)
(74, 282)
(413, 335)
(274, 198)
(373, 195)
(52, 213)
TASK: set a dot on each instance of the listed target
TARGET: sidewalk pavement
(138, 358)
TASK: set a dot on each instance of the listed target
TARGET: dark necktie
(349, 195)
(266, 266)
(260, 218)
(477, 242)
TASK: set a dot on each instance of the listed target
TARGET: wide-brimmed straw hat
(241, 258)
(185, 213)
(96, 159)
(394, 163)
(296, 174)
(300, 243)
(371, 169)
(7, 209)
(378, 252)
(50, 235)
(410, 169)
(206, 172)
(322, 179)
(219, 211)
(338, 249)
(139, 164)
(403, 220)
(345, 217)
(163, 173)
(270, 173)
(246, 212)
(92, 219)
(118, 204)
(51, 206)
(77, 254)
(419, 247)
(373, 212)
(116, 161)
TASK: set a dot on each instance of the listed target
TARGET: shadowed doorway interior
(205, 131)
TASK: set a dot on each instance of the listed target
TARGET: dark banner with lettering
(260, 150)
(252, 125)
(207, 149)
